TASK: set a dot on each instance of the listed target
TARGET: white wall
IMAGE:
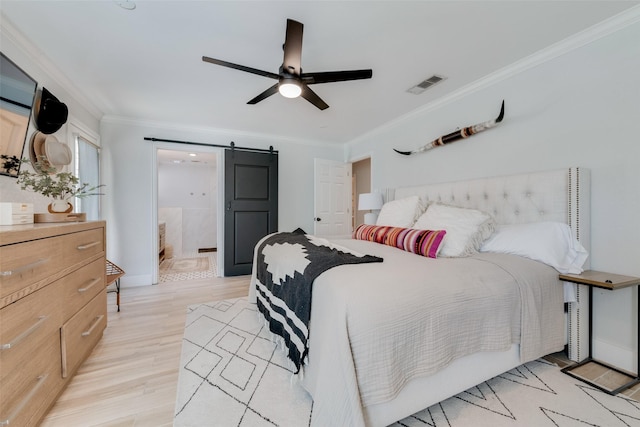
(579, 109)
(129, 162)
(187, 203)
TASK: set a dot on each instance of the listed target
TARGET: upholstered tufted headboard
(558, 195)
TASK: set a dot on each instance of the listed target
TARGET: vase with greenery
(59, 186)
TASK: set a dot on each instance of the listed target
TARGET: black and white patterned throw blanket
(287, 265)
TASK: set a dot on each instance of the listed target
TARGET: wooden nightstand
(611, 282)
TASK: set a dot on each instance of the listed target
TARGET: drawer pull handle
(23, 335)
(41, 379)
(91, 284)
(26, 267)
(88, 245)
(93, 326)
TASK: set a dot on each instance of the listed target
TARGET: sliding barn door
(251, 206)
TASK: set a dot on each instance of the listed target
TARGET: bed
(376, 355)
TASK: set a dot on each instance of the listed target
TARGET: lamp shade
(369, 201)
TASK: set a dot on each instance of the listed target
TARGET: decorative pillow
(421, 242)
(400, 213)
(549, 242)
(466, 228)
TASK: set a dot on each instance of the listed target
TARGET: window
(87, 169)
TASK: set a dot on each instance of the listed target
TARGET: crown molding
(596, 32)
(48, 68)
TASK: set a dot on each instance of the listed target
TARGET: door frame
(354, 188)
(219, 152)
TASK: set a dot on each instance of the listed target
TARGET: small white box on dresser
(12, 213)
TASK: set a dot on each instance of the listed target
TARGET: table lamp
(370, 202)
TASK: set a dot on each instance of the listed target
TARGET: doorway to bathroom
(187, 214)
(361, 184)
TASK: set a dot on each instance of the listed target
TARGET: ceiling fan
(292, 82)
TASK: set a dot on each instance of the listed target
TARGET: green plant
(57, 185)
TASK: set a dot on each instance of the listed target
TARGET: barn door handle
(229, 206)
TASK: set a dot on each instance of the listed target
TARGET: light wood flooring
(603, 376)
(131, 376)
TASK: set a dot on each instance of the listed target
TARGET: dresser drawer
(80, 287)
(25, 324)
(24, 264)
(80, 334)
(29, 390)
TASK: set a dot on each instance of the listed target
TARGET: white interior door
(332, 190)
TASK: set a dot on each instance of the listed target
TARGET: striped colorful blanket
(287, 264)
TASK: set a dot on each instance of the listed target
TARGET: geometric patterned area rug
(189, 268)
(231, 374)
(183, 265)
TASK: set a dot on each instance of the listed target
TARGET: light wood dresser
(53, 310)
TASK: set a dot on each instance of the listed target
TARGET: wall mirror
(17, 95)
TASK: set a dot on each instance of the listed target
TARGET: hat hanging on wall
(46, 152)
(50, 113)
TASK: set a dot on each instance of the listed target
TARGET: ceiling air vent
(425, 84)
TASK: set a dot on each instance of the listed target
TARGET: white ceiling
(187, 158)
(145, 64)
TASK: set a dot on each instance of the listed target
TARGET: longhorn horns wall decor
(459, 134)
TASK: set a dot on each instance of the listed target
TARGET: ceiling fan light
(290, 89)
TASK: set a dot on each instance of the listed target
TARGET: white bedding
(376, 327)
(331, 376)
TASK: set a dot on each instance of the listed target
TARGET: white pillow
(400, 213)
(466, 228)
(549, 242)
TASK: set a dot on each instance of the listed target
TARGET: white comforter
(374, 327)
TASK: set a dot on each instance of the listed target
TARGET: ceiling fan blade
(335, 76)
(313, 98)
(240, 67)
(293, 48)
(267, 93)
